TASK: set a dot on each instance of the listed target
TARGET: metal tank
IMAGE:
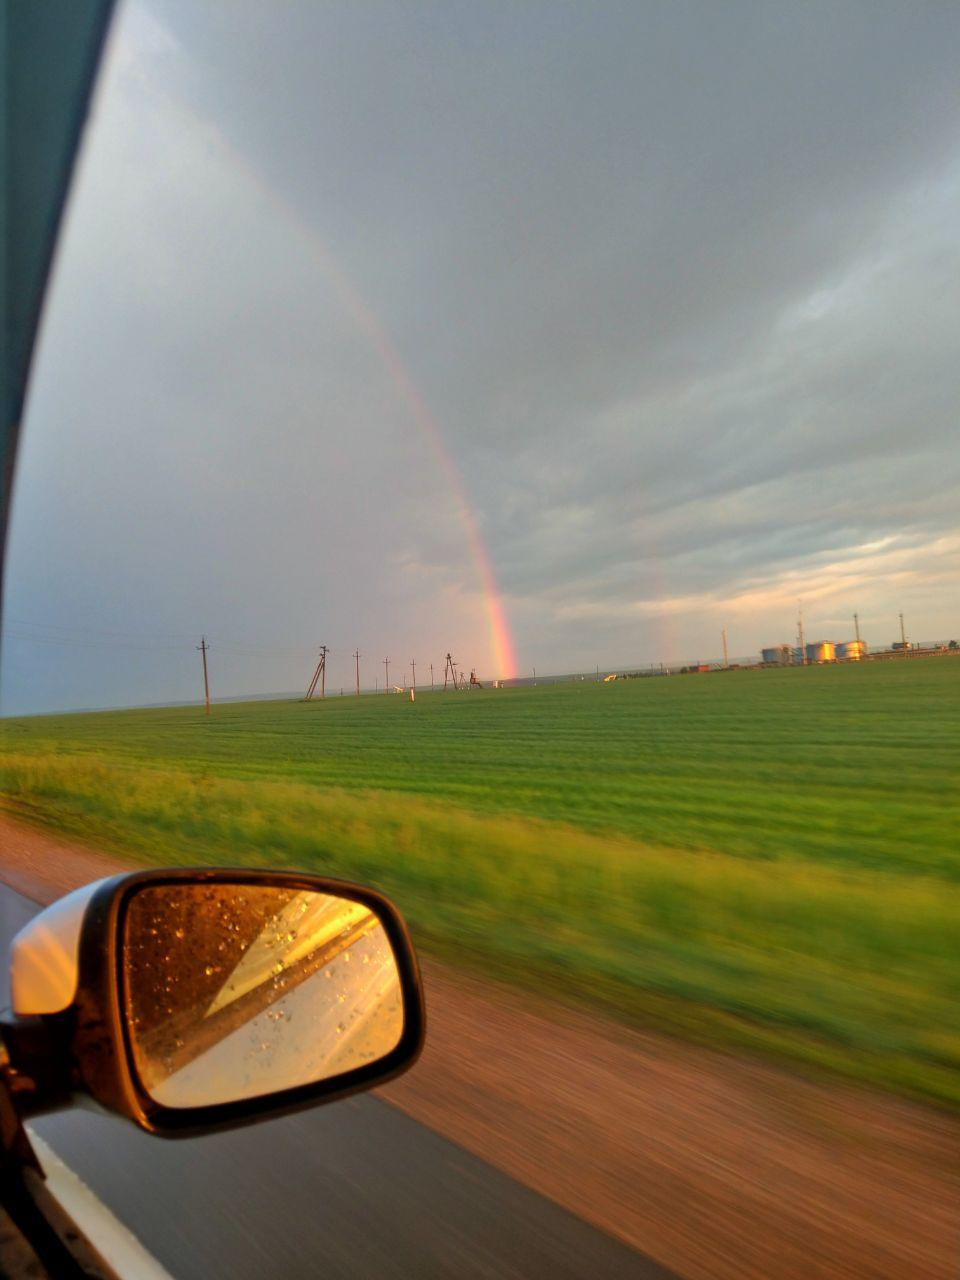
(852, 651)
(822, 651)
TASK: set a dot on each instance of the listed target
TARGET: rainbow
(369, 323)
(412, 397)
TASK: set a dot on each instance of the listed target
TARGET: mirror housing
(70, 980)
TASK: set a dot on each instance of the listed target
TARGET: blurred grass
(763, 859)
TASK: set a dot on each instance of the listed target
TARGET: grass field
(760, 858)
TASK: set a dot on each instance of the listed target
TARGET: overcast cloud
(679, 282)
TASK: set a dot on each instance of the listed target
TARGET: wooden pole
(203, 647)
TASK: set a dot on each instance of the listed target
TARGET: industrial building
(786, 655)
(779, 656)
(852, 651)
(822, 651)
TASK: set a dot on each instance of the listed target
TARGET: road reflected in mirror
(236, 991)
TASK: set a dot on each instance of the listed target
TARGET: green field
(763, 859)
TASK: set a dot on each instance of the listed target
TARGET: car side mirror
(195, 1000)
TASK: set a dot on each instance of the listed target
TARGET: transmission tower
(450, 672)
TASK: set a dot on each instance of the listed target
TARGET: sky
(553, 335)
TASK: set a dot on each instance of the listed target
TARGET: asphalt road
(354, 1189)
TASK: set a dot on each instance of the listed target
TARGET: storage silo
(852, 651)
(822, 651)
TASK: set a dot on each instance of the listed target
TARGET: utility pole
(726, 660)
(357, 656)
(803, 650)
(856, 626)
(203, 647)
(386, 675)
(903, 634)
(431, 675)
(319, 675)
(413, 668)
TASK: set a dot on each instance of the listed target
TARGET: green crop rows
(762, 859)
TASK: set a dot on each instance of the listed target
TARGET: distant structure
(852, 651)
(319, 675)
(780, 655)
(450, 673)
(822, 651)
(801, 649)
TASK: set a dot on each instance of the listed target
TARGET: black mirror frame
(97, 1036)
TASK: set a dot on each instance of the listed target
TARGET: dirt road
(714, 1165)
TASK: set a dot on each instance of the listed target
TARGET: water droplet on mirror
(278, 967)
(209, 971)
(179, 933)
(341, 1028)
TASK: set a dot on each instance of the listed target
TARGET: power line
(102, 645)
(101, 632)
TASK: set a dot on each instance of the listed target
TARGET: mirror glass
(238, 990)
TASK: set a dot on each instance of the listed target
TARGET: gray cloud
(678, 281)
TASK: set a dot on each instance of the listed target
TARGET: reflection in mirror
(238, 990)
